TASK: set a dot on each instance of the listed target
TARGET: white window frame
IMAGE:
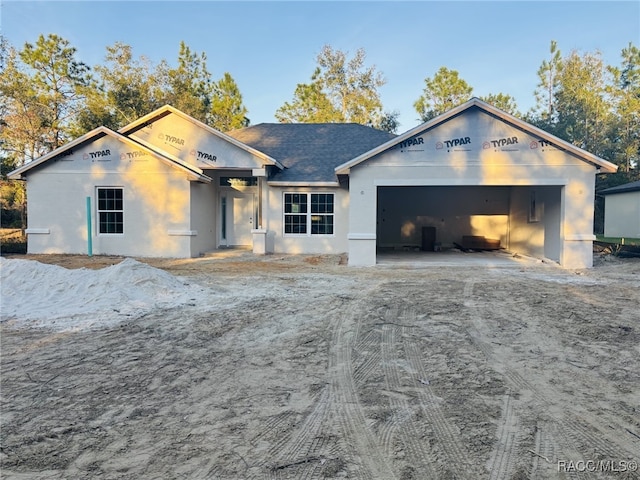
(308, 215)
(99, 211)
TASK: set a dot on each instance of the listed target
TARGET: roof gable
(311, 151)
(171, 130)
(134, 149)
(460, 141)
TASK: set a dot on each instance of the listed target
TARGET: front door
(240, 212)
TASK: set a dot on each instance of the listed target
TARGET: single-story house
(622, 210)
(168, 185)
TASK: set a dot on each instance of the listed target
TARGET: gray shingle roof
(627, 187)
(311, 151)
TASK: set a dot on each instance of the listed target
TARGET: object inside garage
(519, 219)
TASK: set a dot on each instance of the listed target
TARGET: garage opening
(432, 219)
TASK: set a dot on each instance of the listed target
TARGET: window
(110, 210)
(308, 214)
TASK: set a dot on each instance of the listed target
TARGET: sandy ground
(304, 368)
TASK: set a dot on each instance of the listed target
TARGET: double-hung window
(110, 210)
(308, 213)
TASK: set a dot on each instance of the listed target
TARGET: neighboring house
(622, 210)
(169, 185)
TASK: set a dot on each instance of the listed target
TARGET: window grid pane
(322, 225)
(322, 203)
(295, 224)
(295, 203)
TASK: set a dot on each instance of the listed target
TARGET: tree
(582, 109)
(340, 91)
(126, 89)
(545, 94)
(57, 84)
(625, 93)
(443, 92)
(389, 122)
(227, 111)
(504, 102)
(573, 100)
(188, 86)
(42, 91)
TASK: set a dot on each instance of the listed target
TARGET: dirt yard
(304, 368)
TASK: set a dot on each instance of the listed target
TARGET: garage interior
(432, 219)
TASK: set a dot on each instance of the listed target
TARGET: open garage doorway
(433, 219)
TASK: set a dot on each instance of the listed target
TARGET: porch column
(260, 234)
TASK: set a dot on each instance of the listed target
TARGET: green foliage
(548, 73)
(625, 124)
(227, 110)
(125, 89)
(506, 103)
(42, 91)
(12, 201)
(389, 122)
(189, 85)
(443, 92)
(340, 91)
(592, 105)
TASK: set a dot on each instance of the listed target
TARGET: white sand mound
(41, 295)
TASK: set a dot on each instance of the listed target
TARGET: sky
(269, 47)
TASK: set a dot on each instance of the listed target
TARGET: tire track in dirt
(301, 445)
(445, 435)
(543, 452)
(571, 438)
(582, 435)
(346, 404)
(503, 456)
(305, 451)
(404, 425)
(367, 347)
(505, 451)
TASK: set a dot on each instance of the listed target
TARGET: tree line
(49, 96)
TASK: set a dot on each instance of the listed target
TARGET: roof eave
(303, 184)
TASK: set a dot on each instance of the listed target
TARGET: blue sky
(269, 47)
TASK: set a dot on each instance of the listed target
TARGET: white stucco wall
(476, 149)
(539, 236)
(204, 218)
(622, 215)
(156, 202)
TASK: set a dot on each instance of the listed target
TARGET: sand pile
(40, 295)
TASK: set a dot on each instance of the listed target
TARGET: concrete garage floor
(456, 258)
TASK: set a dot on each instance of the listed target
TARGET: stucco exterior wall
(204, 218)
(317, 244)
(156, 202)
(622, 215)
